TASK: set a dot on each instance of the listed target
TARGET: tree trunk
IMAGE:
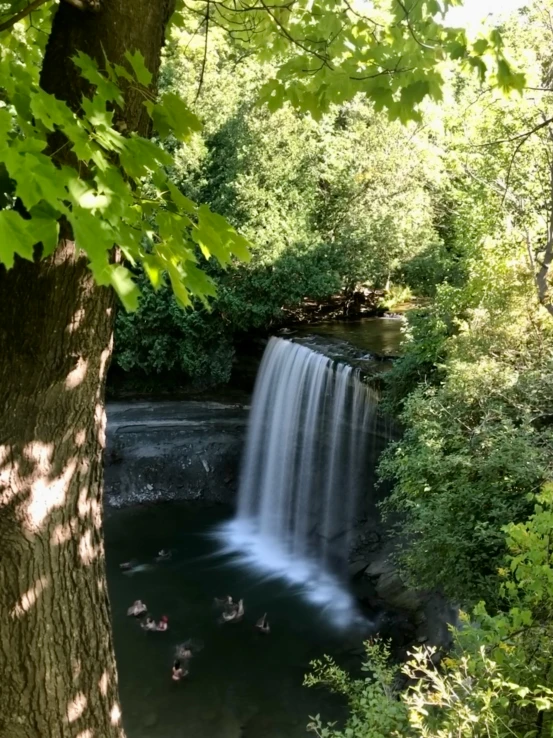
(57, 665)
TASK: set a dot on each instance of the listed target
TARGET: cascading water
(309, 455)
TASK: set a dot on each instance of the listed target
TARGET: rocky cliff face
(182, 450)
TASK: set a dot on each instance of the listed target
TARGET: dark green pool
(241, 683)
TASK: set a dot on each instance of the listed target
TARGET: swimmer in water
(178, 672)
(136, 568)
(128, 565)
(164, 555)
(149, 624)
(235, 614)
(163, 623)
(137, 609)
(188, 649)
(225, 602)
(263, 626)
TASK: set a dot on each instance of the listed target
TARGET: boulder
(357, 568)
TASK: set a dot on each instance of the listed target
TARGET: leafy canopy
(113, 188)
(131, 204)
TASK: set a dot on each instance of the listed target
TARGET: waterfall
(309, 459)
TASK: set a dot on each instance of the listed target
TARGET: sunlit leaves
(140, 157)
(172, 116)
(136, 60)
(19, 235)
(112, 190)
(106, 89)
(329, 52)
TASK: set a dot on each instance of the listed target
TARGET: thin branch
(410, 27)
(524, 135)
(293, 40)
(383, 73)
(361, 16)
(204, 60)
(252, 8)
(518, 147)
(541, 276)
(22, 14)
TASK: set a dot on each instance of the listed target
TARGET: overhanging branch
(93, 5)
(27, 10)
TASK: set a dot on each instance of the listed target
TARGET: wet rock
(182, 450)
(356, 568)
(392, 590)
(365, 591)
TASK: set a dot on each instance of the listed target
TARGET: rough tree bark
(57, 664)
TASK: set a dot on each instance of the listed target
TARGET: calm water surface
(241, 683)
(376, 335)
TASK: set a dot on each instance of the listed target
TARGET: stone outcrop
(409, 617)
(173, 450)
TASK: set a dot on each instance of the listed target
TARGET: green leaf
(121, 280)
(50, 111)
(180, 200)
(382, 97)
(45, 231)
(140, 156)
(122, 72)
(93, 235)
(105, 88)
(172, 115)
(153, 269)
(19, 236)
(415, 93)
(46, 183)
(481, 46)
(508, 80)
(136, 61)
(5, 125)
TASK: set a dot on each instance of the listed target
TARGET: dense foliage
(97, 178)
(327, 205)
(497, 680)
(474, 391)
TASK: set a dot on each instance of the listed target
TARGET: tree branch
(541, 276)
(22, 14)
(93, 5)
(293, 40)
(204, 60)
(410, 27)
(524, 135)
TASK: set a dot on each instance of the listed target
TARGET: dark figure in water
(149, 624)
(178, 672)
(224, 602)
(188, 649)
(128, 565)
(163, 624)
(164, 555)
(234, 614)
(137, 609)
(263, 626)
